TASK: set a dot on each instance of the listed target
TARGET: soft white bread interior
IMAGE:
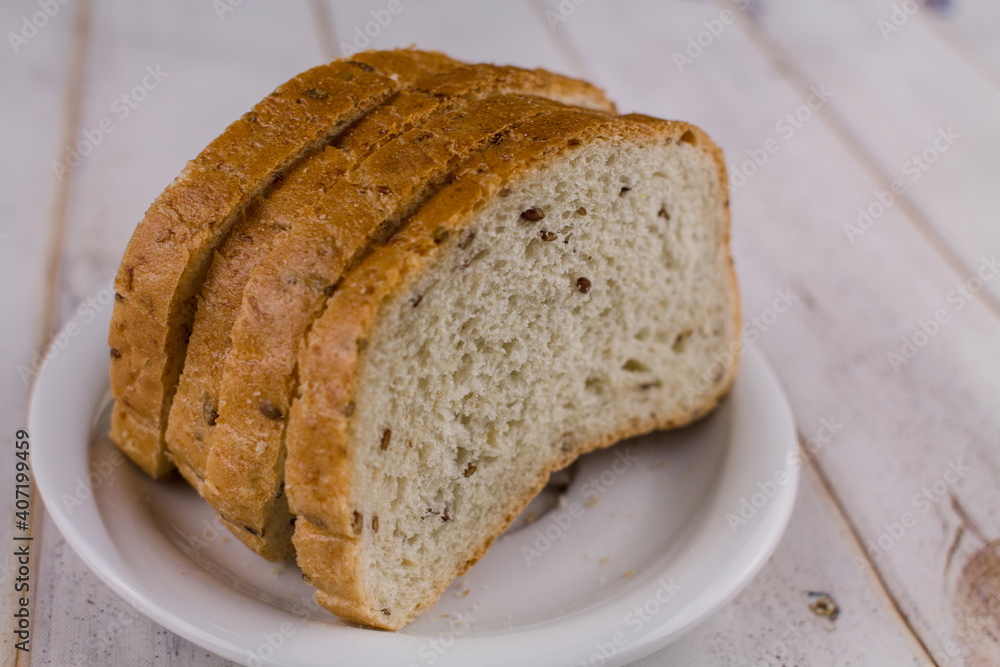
(571, 287)
(377, 170)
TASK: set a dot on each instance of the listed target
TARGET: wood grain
(776, 620)
(32, 212)
(903, 430)
(925, 591)
(213, 70)
(909, 108)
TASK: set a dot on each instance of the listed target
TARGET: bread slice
(194, 407)
(194, 410)
(569, 288)
(244, 474)
(165, 262)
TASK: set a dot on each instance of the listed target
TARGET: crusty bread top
(221, 180)
(288, 289)
(317, 477)
(195, 408)
(246, 482)
(165, 261)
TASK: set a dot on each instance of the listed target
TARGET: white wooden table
(820, 106)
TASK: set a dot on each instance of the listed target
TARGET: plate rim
(127, 585)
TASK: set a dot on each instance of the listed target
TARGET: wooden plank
(970, 28)
(911, 107)
(534, 48)
(784, 615)
(35, 71)
(904, 429)
(506, 33)
(200, 72)
(207, 72)
(764, 266)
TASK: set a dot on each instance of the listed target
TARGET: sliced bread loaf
(441, 120)
(569, 288)
(193, 414)
(194, 408)
(165, 262)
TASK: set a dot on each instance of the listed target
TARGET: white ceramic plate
(636, 550)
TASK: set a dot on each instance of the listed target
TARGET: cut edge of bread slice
(287, 289)
(576, 269)
(195, 405)
(195, 408)
(165, 261)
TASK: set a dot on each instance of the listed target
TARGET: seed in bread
(165, 262)
(289, 286)
(499, 352)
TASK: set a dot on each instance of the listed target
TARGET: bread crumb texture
(538, 330)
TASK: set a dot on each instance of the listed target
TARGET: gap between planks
(800, 82)
(325, 28)
(798, 79)
(875, 574)
(559, 40)
(965, 49)
(53, 258)
(325, 32)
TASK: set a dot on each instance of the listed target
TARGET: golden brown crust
(191, 424)
(318, 469)
(165, 261)
(288, 288)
